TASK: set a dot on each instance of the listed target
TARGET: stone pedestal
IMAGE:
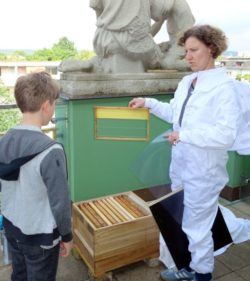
(77, 85)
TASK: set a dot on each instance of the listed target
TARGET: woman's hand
(173, 137)
(137, 102)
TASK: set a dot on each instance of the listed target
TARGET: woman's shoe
(202, 277)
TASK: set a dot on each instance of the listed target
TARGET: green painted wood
(100, 167)
(234, 168)
(246, 168)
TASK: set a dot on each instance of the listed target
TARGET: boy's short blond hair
(33, 89)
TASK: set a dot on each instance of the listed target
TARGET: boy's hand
(65, 248)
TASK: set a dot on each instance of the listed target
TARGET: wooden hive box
(114, 231)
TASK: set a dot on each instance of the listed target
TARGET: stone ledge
(84, 85)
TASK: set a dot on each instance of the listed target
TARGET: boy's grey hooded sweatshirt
(33, 178)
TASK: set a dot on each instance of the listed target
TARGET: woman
(204, 113)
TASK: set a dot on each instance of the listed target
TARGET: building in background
(237, 67)
(11, 70)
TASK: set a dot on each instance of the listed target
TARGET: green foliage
(238, 77)
(8, 117)
(64, 49)
(4, 94)
(85, 55)
(246, 77)
(17, 56)
(41, 55)
(243, 77)
(2, 56)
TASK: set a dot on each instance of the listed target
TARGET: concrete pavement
(234, 265)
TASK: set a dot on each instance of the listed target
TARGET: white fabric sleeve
(163, 110)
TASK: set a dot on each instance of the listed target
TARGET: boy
(33, 178)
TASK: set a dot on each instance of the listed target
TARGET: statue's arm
(155, 28)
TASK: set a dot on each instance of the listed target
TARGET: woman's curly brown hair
(212, 37)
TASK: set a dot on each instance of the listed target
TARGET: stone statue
(178, 17)
(124, 41)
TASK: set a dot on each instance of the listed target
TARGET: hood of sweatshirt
(18, 146)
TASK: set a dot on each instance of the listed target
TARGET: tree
(41, 55)
(64, 49)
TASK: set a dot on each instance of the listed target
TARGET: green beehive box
(97, 165)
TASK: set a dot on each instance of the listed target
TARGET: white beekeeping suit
(239, 228)
(198, 162)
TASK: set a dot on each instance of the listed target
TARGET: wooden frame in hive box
(109, 247)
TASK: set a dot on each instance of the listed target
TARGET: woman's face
(198, 55)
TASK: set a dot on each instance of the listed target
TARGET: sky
(30, 24)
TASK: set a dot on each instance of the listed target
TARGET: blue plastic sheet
(1, 222)
(152, 165)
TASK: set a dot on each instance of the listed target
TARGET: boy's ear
(45, 105)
